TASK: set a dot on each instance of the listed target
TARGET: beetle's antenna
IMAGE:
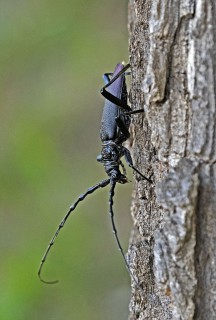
(90, 190)
(111, 193)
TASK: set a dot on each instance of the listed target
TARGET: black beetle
(114, 131)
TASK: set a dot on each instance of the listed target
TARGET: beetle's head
(110, 157)
(110, 153)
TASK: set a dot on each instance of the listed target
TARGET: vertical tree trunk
(173, 243)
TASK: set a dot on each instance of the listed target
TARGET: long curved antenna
(111, 193)
(101, 184)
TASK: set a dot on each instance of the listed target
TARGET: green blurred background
(52, 57)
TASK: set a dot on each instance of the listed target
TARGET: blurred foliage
(53, 54)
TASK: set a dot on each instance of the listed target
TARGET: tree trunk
(173, 244)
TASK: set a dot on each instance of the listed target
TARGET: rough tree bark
(173, 244)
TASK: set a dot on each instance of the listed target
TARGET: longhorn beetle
(114, 131)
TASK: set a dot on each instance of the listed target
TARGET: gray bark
(172, 250)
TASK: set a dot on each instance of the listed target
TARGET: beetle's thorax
(111, 154)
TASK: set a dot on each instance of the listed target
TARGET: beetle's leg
(122, 127)
(123, 168)
(90, 190)
(117, 76)
(135, 111)
(106, 76)
(129, 161)
(109, 96)
(125, 134)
